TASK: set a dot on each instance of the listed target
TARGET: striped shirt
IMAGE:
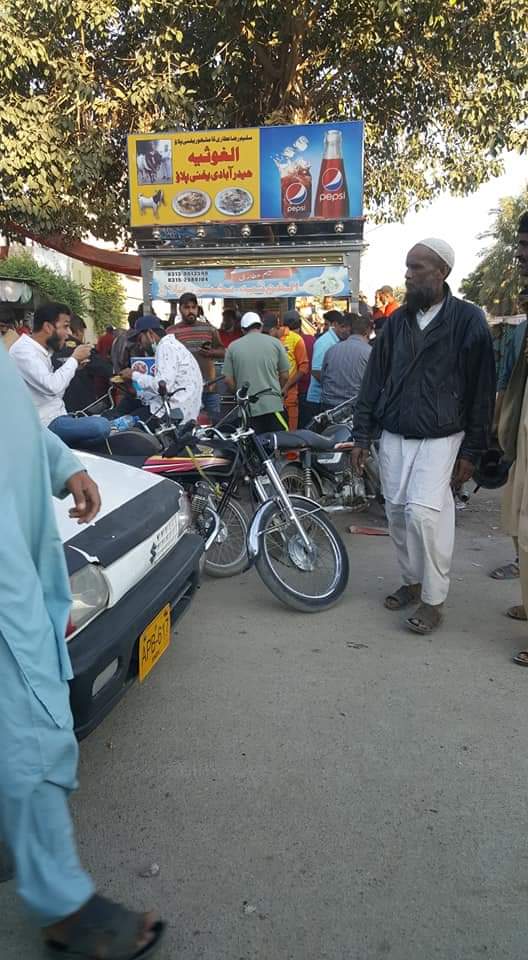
(193, 336)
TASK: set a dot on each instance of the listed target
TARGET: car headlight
(90, 595)
(184, 514)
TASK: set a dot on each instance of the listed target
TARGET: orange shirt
(391, 307)
(297, 358)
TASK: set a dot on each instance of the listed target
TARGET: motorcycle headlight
(90, 595)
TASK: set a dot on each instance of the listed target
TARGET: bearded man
(429, 390)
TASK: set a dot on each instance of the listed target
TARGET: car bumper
(114, 635)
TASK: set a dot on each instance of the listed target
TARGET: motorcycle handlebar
(164, 393)
(243, 395)
(242, 392)
(210, 383)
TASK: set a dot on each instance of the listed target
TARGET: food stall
(249, 216)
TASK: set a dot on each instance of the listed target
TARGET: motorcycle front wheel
(305, 578)
(227, 555)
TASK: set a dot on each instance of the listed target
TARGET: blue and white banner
(316, 280)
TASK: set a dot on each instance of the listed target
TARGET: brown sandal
(509, 571)
(403, 597)
(425, 619)
(521, 659)
(517, 613)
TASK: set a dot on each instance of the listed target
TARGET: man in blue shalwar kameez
(38, 749)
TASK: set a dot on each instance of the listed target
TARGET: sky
(459, 220)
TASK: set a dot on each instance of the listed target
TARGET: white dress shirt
(175, 365)
(46, 385)
(425, 317)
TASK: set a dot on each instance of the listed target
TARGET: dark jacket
(86, 386)
(430, 384)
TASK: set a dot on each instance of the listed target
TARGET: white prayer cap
(441, 248)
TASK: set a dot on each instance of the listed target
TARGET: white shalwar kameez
(416, 483)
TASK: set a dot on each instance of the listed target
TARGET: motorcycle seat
(297, 439)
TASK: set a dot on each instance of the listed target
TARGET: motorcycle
(294, 547)
(296, 550)
(328, 476)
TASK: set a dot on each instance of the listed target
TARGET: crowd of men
(421, 377)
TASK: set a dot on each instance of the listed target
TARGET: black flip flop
(509, 571)
(104, 924)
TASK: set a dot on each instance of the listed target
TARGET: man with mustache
(32, 355)
(429, 390)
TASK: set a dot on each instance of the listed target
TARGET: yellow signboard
(194, 177)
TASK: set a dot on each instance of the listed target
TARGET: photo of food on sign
(314, 171)
(191, 203)
(234, 201)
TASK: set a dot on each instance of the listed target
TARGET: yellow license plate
(154, 641)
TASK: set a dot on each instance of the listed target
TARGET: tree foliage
(495, 282)
(441, 85)
(53, 285)
(107, 299)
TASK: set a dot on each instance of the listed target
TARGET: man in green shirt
(263, 363)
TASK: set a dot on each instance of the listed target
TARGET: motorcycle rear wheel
(228, 556)
(310, 581)
(292, 476)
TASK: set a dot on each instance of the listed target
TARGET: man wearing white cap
(429, 389)
(262, 362)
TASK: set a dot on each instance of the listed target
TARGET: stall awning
(126, 263)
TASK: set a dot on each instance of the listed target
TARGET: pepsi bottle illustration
(331, 199)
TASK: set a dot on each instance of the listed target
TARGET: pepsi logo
(332, 179)
(296, 193)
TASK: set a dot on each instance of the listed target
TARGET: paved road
(321, 788)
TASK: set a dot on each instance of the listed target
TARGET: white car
(133, 572)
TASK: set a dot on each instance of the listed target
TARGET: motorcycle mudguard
(252, 539)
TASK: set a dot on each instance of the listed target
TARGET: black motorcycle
(296, 550)
(327, 475)
(299, 555)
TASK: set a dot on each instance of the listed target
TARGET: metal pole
(147, 270)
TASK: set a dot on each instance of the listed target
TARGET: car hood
(117, 482)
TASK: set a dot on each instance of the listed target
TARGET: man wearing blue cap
(175, 365)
